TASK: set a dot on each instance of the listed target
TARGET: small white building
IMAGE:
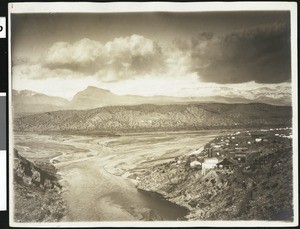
(258, 139)
(210, 163)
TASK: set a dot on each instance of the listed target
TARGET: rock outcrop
(37, 192)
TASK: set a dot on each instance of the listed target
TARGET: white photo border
(119, 7)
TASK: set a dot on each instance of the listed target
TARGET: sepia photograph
(153, 114)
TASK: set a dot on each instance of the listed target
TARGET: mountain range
(27, 102)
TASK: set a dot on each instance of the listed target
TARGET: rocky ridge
(149, 117)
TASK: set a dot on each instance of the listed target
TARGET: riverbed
(97, 171)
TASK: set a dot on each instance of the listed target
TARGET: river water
(96, 171)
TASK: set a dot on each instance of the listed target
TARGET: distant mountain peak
(28, 93)
(29, 102)
(93, 88)
(93, 97)
(93, 92)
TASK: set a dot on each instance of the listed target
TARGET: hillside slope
(157, 117)
(258, 190)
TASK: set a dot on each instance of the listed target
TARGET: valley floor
(98, 174)
(104, 178)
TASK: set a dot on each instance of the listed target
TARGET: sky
(233, 54)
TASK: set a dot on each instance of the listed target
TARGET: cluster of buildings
(231, 151)
(289, 136)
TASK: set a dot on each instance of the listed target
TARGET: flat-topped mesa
(91, 90)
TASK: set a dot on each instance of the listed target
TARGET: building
(246, 156)
(226, 164)
(209, 163)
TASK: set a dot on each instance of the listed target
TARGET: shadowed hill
(158, 117)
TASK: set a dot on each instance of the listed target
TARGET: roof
(209, 160)
(226, 161)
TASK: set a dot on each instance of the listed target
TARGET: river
(96, 171)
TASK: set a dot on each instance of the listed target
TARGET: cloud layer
(120, 59)
(261, 54)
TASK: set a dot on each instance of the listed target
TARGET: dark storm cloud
(260, 54)
(118, 46)
(180, 44)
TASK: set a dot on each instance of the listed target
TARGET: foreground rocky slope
(157, 117)
(257, 190)
(37, 192)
